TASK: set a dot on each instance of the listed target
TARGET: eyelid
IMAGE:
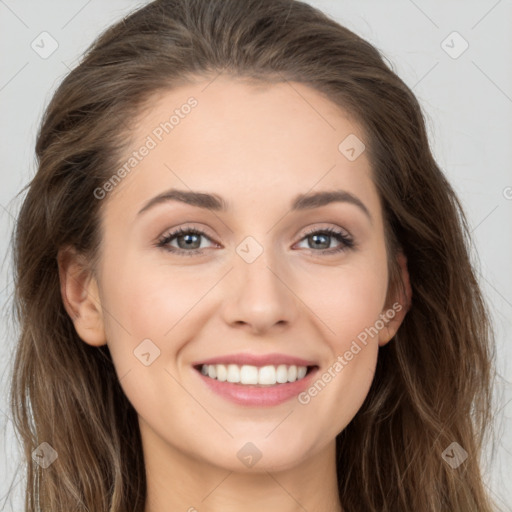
(189, 227)
(316, 229)
(343, 236)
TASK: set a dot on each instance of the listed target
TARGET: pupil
(318, 240)
(188, 241)
(315, 237)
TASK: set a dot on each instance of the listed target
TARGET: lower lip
(260, 396)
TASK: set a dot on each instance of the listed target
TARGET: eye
(322, 238)
(188, 241)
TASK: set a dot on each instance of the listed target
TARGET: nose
(259, 297)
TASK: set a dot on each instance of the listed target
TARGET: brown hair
(433, 381)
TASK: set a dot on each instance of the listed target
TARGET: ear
(80, 295)
(398, 302)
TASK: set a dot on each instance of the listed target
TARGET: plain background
(466, 97)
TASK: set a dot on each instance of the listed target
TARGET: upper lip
(256, 360)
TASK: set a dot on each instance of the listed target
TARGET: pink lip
(260, 396)
(257, 360)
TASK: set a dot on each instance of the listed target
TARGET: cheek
(351, 299)
(352, 315)
(150, 302)
(133, 309)
(146, 315)
(147, 298)
(351, 309)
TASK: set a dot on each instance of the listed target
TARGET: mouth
(255, 376)
(255, 386)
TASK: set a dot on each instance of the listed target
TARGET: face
(246, 262)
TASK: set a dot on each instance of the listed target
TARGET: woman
(243, 281)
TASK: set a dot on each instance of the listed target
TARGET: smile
(256, 386)
(269, 375)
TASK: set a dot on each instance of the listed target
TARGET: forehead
(244, 140)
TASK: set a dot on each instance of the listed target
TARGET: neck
(178, 481)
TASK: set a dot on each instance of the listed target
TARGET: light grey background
(467, 100)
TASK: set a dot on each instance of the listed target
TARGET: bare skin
(258, 148)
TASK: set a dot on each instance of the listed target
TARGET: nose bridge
(258, 295)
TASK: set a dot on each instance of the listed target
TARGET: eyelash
(347, 242)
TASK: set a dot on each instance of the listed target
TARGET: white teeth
(282, 374)
(301, 372)
(247, 374)
(222, 373)
(267, 375)
(233, 373)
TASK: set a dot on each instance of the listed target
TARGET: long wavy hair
(434, 381)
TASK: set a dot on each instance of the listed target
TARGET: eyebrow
(216, 203)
